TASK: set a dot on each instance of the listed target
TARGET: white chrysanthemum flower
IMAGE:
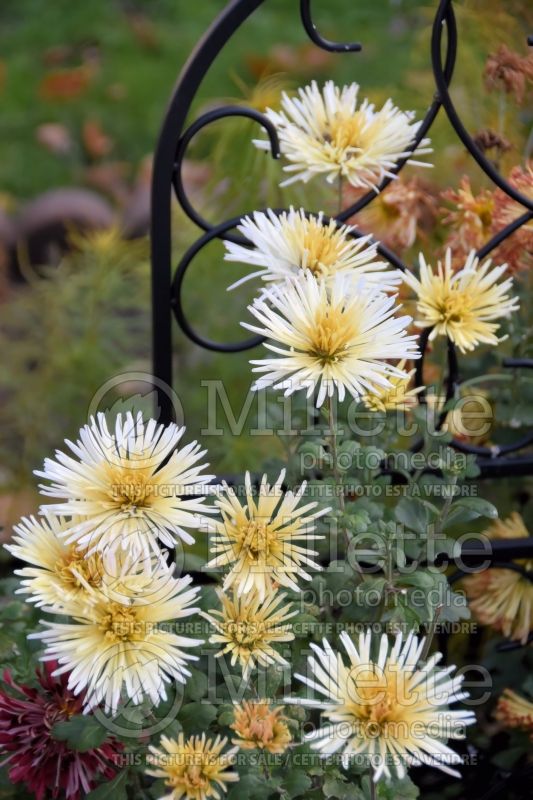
(385, 707)
(59, 573)
(287, 243)
(132, 486)
(265, 541)
(327, 133)
(335, 337)
(120, 641)
(463, 304)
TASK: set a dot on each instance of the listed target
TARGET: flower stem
(339, 194)
(373, 793)
(332, 425)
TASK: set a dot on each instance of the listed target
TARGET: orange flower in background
(260, 727)
(517, 249)
(403, 213)
(503, 598)
(508, 71)
(469, 219)
(515, 711)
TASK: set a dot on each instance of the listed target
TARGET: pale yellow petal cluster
(515, 711)
(400, 395)
(462, 304)
(196, 768)
(503, 598)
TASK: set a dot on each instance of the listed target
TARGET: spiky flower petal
(515, 711)
(385, 706)
(132, 485)
(464, 304)
(335, 338)
(248, 627)
(287, 243)
(326, 132)
(194, 768)
(264, 542)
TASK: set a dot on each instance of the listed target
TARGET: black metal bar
(325, 44)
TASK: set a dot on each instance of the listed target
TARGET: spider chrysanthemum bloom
(334, 337)
(327, 132)
(58, 572)
(121, 641)
(503, 598)
(264, 542)
(248, 627)
(515, 711)
(399, 396)
(385, 707)
(47, 766)
(258, 726)
(287, 243)
(516, 249)
(131, 484)
(194, 768)
(462, 305)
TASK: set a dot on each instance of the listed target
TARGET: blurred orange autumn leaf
(65, 84)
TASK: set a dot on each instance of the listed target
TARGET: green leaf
(414, 514)
(196, 717)
(252, 786)
(81, 733)
(196, 684)
(296, 783)
(476, 507)
(111, 790)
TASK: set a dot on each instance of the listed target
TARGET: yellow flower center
(376, 701)
(322, 248)
(344, 132)
(243, 632)
(120, 623)
(76, 565)
(453, 307)
(257, 540)
(330, 335)
(131, 489)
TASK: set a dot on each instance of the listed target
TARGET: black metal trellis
(503, 461)
(171, 149)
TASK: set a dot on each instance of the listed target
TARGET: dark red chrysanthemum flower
(44, 764)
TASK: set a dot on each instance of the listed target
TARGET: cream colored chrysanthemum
(60, 573)
(397, 396)
(248, 627)
(385, 707)
(503, 598)
(287, 243)
(327, 133)
(194, 768)
(118, 642)
(258, 726)
(464, 304)
(515, 711)
(264, 542)
(332, 337)
(131, 485)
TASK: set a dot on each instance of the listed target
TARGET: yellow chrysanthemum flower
(335, 337)
(386, 707)
(264, 541)
(329, 133)
(463, 304)
(285, 244)
(258, 726)
(396, 397)
(132, 486)
(503, 598)
(515, 711)
(119, 639)
(194, 768)
(248, 627)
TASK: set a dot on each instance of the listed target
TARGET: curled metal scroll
(316, 38)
